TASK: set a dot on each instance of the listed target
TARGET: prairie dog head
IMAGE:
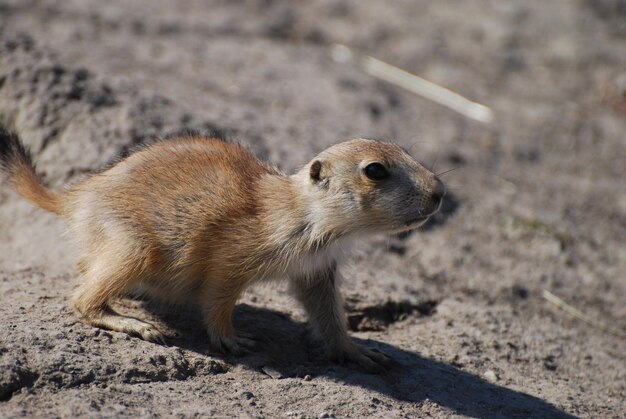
(369, 186)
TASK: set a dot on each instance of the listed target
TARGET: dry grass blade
(573, 311)
(418, 85)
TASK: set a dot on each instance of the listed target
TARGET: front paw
(239, 344)
(367, 359)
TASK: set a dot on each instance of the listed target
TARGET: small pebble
(272, 372)
(490, 376)
(248, 395)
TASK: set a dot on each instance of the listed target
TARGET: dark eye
(376, 171)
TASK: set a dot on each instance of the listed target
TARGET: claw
(236, 345)
(232, 347)
(371, 361)
(130, 325)
(246, 342)
(151, 334)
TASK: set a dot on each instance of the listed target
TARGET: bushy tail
(17, 166)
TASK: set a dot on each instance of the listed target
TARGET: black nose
(439, 191)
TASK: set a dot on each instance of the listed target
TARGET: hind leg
(109, 319)
(101, 281)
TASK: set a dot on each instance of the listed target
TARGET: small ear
(315, 171)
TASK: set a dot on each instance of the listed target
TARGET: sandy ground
(538, 202)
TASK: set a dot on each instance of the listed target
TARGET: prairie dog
(198, 220)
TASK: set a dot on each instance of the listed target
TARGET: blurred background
(536, 206)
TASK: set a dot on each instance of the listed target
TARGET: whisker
(432, 167)
(413, 144)
(447, 171)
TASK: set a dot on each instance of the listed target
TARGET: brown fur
(198, 220)
(17, 165)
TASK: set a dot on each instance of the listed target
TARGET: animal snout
(439, 191)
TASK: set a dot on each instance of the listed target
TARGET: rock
(272, 372)
(490, 376)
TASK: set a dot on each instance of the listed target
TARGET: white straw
(417, 85)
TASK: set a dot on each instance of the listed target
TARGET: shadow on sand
(285, 347)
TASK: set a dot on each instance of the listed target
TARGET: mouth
(417, 220)
(410, 224)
